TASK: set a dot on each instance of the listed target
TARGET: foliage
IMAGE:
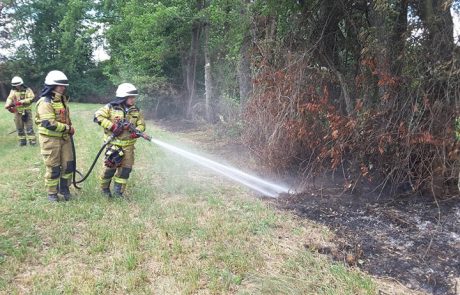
(321, 85)
(57, 35)
(376, 105)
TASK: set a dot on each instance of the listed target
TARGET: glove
(18, 103)
(71, 130)
(134, 135)
(117, 128)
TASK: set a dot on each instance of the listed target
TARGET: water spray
(258, 184)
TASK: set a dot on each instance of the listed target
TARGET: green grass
(182, 231)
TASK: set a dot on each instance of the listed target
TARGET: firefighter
(119, 118)
(55, 129)
(19, 102)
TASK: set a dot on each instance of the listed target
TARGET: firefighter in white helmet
(19, 102)
(55, 129)
(119, 118)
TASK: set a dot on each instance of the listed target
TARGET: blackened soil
(413, 240)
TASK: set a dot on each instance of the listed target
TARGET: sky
(456, 19)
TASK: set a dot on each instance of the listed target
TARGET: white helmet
(56, 78)
(16, 81)
(126, 89)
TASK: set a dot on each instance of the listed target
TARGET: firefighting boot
(32, 142)
(106, 192)
(22, 142)
(64, 189)
(52, 197)
(118, 190)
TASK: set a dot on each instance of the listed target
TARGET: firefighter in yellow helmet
(55, 128)
(19, 102)
(117, 117)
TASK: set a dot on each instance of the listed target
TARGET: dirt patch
(413, 240)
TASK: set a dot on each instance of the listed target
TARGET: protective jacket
(25, 96)
(52, 116)
(114, 112)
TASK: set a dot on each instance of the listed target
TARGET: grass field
(182, 231)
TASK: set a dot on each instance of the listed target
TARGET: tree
(57, 35)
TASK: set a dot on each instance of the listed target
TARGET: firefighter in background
(55, 129)
(19, 102)
(119, 118)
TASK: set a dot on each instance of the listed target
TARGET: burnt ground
(413, 240)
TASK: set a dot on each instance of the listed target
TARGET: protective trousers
(24, 119)
(119, 174)
(58, 157)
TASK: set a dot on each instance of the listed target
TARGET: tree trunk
(390, 25)
(191, 68)
(345, 93)
(439, 45)
(328, 31)
(398, 37)
(244, 72)
(192, 62)
(207, 77)
(435, 14)
(244, 64)
(329, 35)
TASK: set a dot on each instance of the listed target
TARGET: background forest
(367, 88)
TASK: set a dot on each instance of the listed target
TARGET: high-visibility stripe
(121, 142)
(67, 175)
(106, 124)
(60, 127)
(120, 180)
(48, 116)
(23, 108)
(105, 180)
(57, 105)
(44, 131)
(51, 182)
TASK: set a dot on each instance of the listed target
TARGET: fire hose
(127, 126)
